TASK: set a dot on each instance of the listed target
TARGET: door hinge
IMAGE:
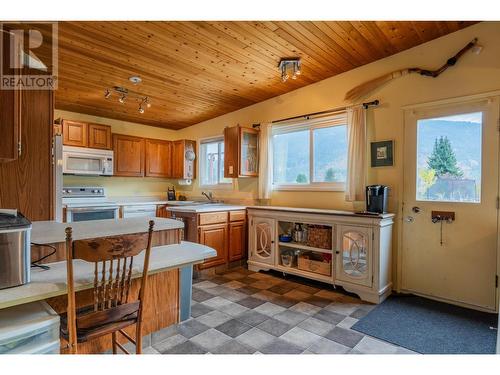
(496, 281)
(373, 236)
(498, 203)
(19, 148)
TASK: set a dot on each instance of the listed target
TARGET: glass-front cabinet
(262, 241)
(354, 255)
(249, 152)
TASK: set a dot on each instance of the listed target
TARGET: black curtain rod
(373, 103)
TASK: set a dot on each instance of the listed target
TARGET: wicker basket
(319, 236)
(311, 263)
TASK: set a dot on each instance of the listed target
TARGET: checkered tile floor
(243, 312)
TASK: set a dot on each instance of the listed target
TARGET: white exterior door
(262, 241)
(451, 168)
(354, 257)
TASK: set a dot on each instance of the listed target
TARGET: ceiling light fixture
(125, 94)
(289, 66)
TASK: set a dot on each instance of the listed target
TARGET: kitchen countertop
(46, 232)
(209, 207)
(50, 283)
(120, 201)
(132, 201)
(320, 211)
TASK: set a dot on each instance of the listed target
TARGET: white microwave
(87, 161)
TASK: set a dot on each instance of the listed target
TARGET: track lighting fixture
(289, 66)
(126, 95)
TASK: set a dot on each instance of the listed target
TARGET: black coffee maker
(171, 194)
(376, 198)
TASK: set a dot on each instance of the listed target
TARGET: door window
(449, 158)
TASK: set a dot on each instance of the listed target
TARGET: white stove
(88, 203)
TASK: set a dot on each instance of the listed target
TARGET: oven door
(91, 213)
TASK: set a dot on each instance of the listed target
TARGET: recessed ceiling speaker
(135, 80)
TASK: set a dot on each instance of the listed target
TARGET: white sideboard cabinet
(337, 247)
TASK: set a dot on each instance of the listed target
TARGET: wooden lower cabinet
(237, 240)
(214, 236)
(161, 211)
(225, 231)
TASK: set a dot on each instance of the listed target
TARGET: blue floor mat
(431, 327)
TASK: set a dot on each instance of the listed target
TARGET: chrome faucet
(209, 195)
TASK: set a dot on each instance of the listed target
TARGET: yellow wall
(122, 186)
(473, 74)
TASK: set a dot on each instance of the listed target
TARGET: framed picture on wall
(382, 153)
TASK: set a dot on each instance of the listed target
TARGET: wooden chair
(111, 310)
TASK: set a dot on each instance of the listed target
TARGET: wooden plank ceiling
(194, 71)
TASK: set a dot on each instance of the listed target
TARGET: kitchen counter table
(168, 300)
(49, 232)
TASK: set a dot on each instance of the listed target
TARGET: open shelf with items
(343, 249)
(304, 247)
(308, 251)
(308, 275)
(306, 235)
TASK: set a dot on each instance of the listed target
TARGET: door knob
(409, 219)
(415, 209)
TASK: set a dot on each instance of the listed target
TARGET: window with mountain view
(311, 155)
(449, 158)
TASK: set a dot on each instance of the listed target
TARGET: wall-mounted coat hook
(439, 217)
(448, 216)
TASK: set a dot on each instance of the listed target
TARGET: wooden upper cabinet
(241, 152)
(82, 134)
(158, 158)
(99, 136)
(184, 159)
(128, 155)
(75, 133)
(10, 113)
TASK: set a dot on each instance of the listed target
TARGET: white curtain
(356, 154)
(265, 161)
